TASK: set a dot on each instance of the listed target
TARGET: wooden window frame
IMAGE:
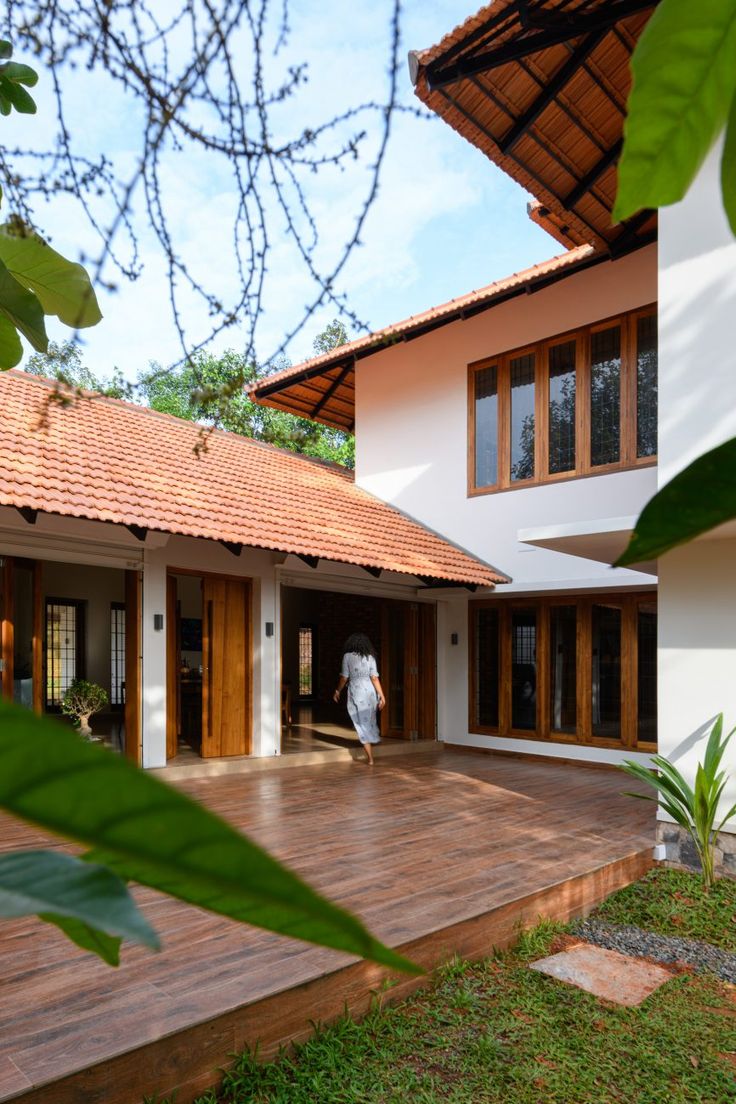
(628, 459)
(583, 736)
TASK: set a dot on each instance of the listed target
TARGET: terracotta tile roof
(328, 379)
(541, 89)
(113, 461)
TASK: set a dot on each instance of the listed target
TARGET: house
(523, 425)
(532, 420)
(186, 571)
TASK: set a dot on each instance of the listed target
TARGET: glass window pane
(117, 654)
(522, 417)
(486, 427)
(646, 386)
(524, 669)
(605, 397)
(647, 672)
(606, 682)
(486, 667)
(563, 673)
(62, 646)
(562, 407)
(306, 661)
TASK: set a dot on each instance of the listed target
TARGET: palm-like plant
(694, 808)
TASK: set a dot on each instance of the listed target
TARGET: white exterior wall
(412, 451)
(412, 430)
(697, 411)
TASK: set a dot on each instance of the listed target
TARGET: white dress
(362, 695)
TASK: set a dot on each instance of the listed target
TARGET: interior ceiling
(540, 86)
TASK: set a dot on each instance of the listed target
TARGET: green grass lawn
(496, 1032)
(675, 903)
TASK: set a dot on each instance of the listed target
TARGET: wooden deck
(438, 852)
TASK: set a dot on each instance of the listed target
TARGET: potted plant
(80, 701)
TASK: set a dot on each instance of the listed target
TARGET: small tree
(80, 701)
(694, 809)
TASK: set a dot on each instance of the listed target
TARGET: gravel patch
(631, 940)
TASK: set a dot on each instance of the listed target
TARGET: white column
(266, 667)
(154, 665)
(452, 670)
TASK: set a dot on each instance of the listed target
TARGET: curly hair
(359, 643)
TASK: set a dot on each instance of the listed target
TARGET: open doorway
(60, 622)
(314, 627)
(209, 674)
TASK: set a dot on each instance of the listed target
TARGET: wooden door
(7, 650)
(173, 707)
(408, 661)
(133, 650)
(11, 572)
(226, 661)
(427, 661)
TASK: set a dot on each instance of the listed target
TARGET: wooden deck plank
(434, 851)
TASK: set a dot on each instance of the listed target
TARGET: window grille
(306, 661)
(63, 648)
(117, 653)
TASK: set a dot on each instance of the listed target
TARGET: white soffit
(602, 540)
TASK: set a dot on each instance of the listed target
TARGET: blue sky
(445, 221)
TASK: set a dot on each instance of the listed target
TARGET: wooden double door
(221, 693)
(409, 670)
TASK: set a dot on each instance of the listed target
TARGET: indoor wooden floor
(422, 848)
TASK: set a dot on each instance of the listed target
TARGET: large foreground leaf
(87, 901)
(684, 79)
(11, 350)
(63, 287)
(20, 306)
(696, 500)
(154, 834)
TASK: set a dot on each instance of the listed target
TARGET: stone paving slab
(610, 975)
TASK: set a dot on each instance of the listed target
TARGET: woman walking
(360, 674)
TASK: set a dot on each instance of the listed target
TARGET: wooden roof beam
(339, 379)
(550, 92)
(593, 175)
(553, 34)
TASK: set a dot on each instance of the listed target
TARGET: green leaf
(728, 169)
(21, 100)
(22, 308)
(11, 350)
(86, 900)
(6, 49)
(63, 287)
(106, 947)
(696, 500)
(154, 834)
(19, 74)
(684, 78)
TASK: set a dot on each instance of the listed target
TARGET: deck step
(248, 764)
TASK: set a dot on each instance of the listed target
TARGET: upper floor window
(577, 404)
